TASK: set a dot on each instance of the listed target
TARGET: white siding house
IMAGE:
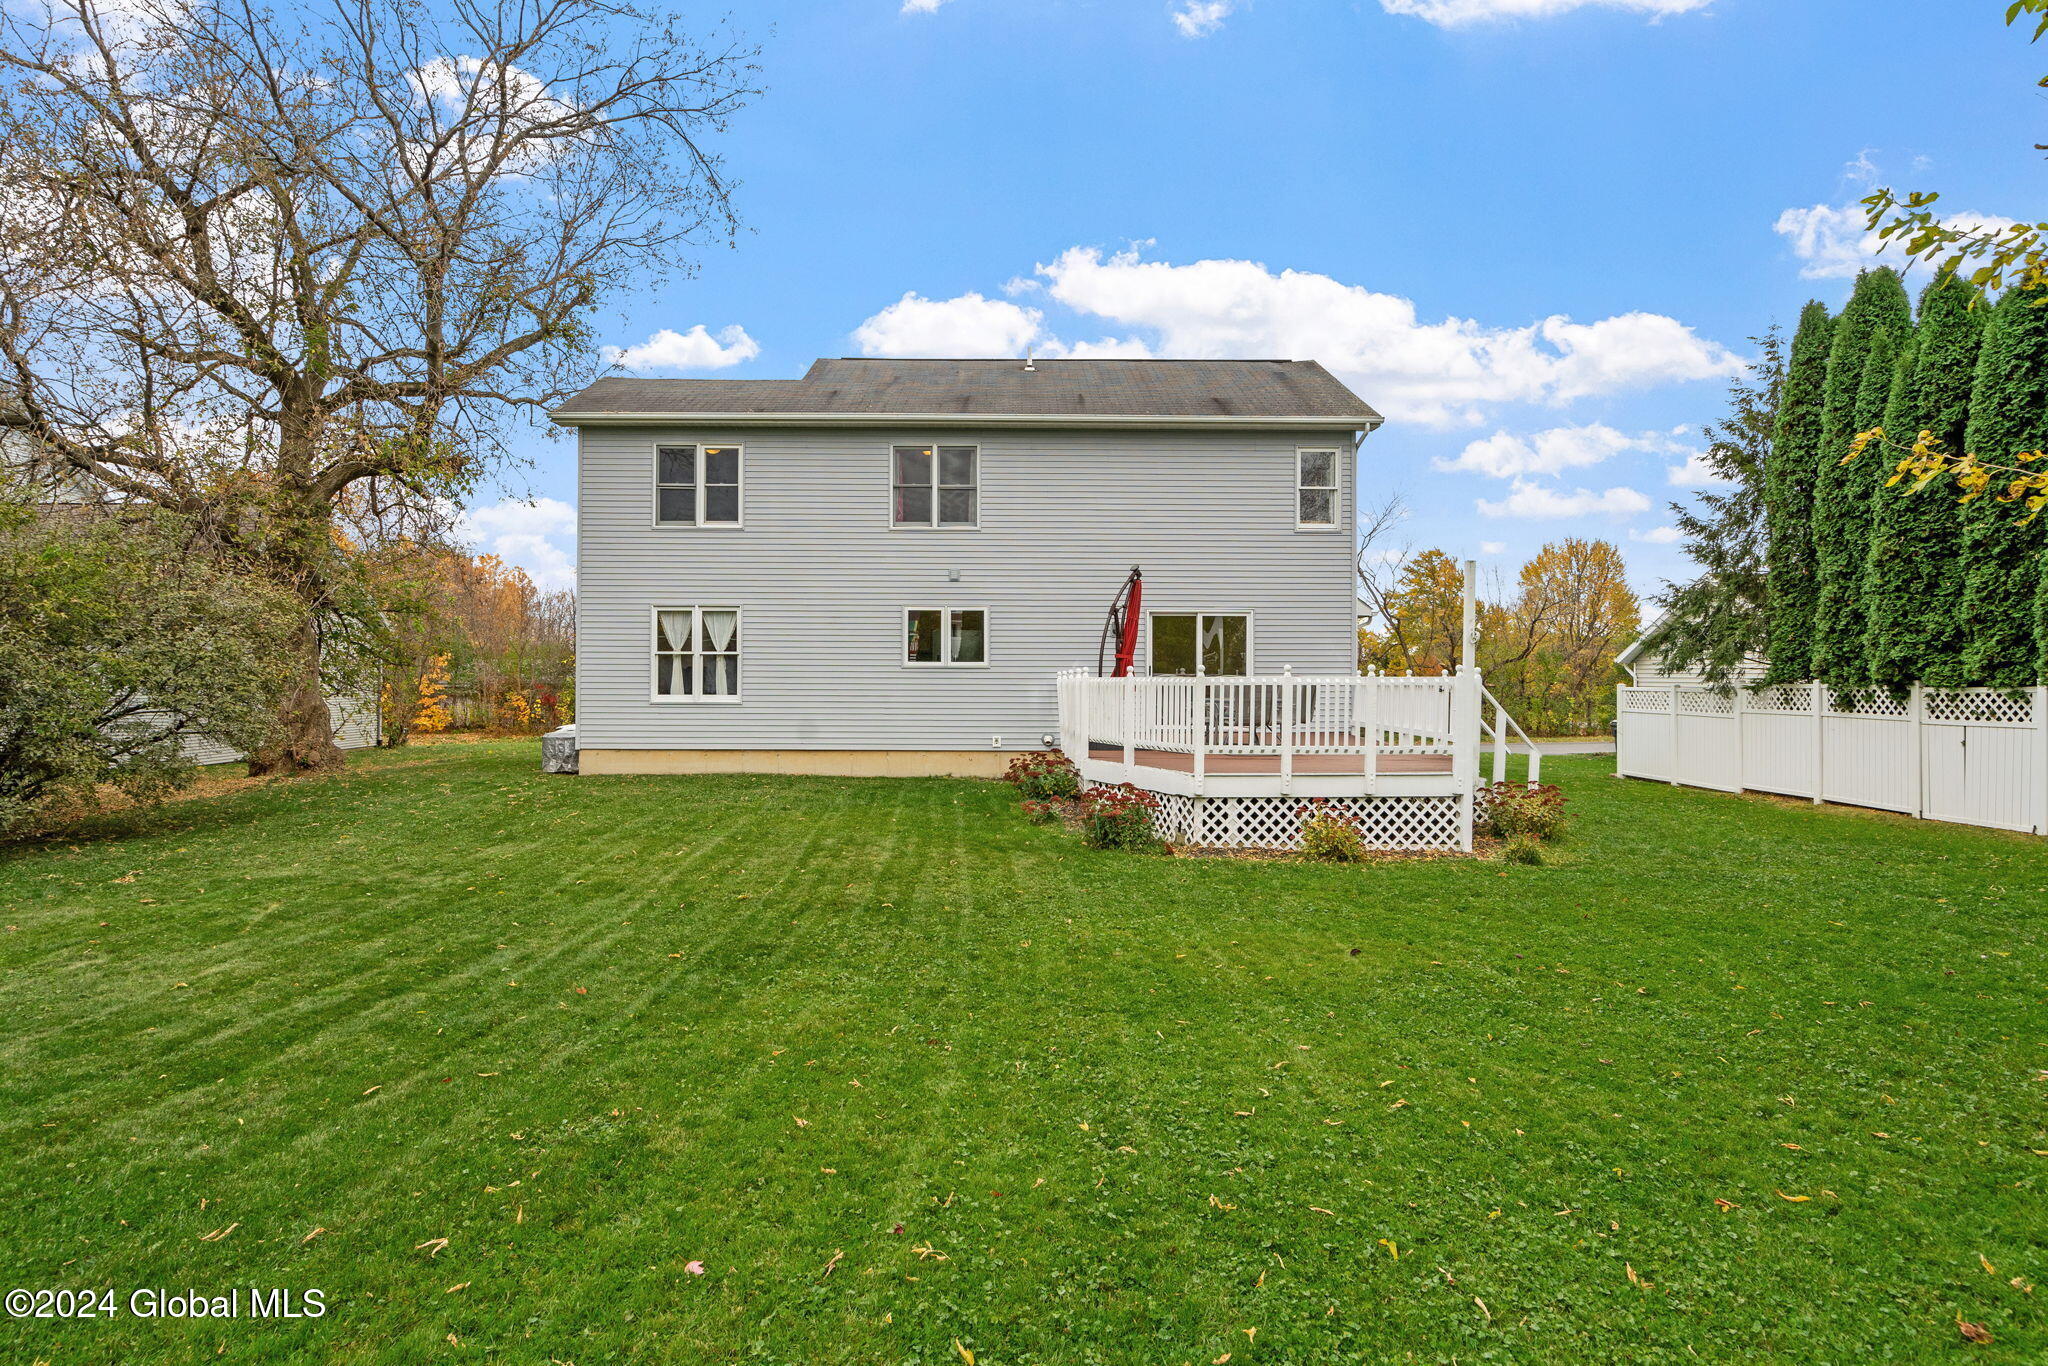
(882, 567)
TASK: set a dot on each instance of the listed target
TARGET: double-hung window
(936, 485)
(696, 653)
(696, 485)
(1315, 488)
(945, 635)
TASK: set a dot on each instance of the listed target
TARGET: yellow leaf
(1795, 1199)
(1989, 1269)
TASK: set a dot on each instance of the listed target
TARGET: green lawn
(900, 1070)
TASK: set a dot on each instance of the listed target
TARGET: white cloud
(920, 6)
(1430, 372)
(526, 534)
(1660, 535)
(1493, 547)
(1455, 13)
(1832, 241)
(1505, 455)
(968, 325)
(1538, 500)
(1695, 473)
(1438, 373)
(695, 349)
(1200, 18)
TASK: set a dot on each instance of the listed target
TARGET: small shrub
(1330, 836)
(1118, 817)
(1525, 849)
(1040, 813)
(1512, 809)
(1044, 775)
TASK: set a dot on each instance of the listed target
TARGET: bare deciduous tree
(252, 261)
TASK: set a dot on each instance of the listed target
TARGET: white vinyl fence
(1976, 756)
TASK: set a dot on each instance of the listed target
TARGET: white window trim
(945, 637)
(934, 524)
(1251, 638)
(697, 610)
(1336, 454)
(654, 487)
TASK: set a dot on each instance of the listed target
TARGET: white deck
(1294, 737)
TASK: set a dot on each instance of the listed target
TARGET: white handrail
(1500, 742)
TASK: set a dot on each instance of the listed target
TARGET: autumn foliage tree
(255, 260)
(1546, 645)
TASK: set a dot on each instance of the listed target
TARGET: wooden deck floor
(1270, 763)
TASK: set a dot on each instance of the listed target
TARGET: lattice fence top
(1645, 699)
(1704, 702)
(1874, 702)
(1982, 705)
(1781, 697)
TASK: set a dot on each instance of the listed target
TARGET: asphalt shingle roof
(1000, 388)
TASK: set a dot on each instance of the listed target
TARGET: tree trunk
(305, 739)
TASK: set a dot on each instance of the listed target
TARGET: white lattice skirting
(1275, 822)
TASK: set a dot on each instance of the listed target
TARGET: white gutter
(902, 420)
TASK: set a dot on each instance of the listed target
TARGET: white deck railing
(1287, 717)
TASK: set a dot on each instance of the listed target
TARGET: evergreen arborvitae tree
(2002, 560)
(1719, 622)
(1878, 308)
(1788, 498)
(1913, 578)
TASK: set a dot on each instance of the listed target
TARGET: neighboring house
(1647, 666)
(882, 567)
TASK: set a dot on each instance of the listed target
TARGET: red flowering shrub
(1040, 813)
(1118, 817)
(1044, 774)
(1511, 809)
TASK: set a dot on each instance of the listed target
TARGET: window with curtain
(1316, 488)
(945, 635)
(697, 486)
(1202, 643)
(936, 485)
(697, 652)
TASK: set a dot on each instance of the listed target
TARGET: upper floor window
(936, 485)
(1316, 488)
(939, 635)
(696, 653)
(696, 485)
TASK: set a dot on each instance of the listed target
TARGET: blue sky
(1535, 233)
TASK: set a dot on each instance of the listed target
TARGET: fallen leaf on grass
(801, 1122)
(378, 1087)
(219, 1233)
(1320, 1210)
(436, 1244)
(965, 1355)
(1795, 1199)
(1220, 1360)
(453, 1288)
(311, 1236)
(1973, 1332)
(1985, 1262)
(1726, 1205)
(829, 1266)
(694, 1268)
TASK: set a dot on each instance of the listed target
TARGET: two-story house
(880, 568)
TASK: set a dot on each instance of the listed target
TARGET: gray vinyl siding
(822, 579)
(355, 727)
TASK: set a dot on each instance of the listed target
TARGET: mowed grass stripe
(349, 935)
